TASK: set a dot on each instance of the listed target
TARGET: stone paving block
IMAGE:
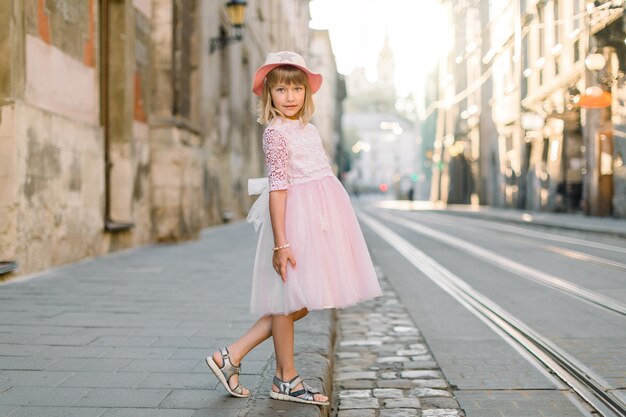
(356, 384)
(88, 365)
(192, 353)
(420, 364)
(102, 380)
(183, 342)
(124, 341)
(251, 367)
(139, 353)
(183, 331)
(33, 378)
(392, 359)
(196, 399)
(417, 374)
(73, 352)
(347, 343)
(146, 412)
(430, 383)
(266, 407)
(42, 396)
(388, 393)
(216, 412)
(6, 410)
(355, 393)
(18, 338)
(351, 403)
(19, 350)
(396, 383)
(402, 403)
(24, 363)
(357, 413)
(347, 355)
(178, 381)
(57, 412)
(439, 402)
(158, 365)
(65, 340)
(399, 412)
(430, 392)
(121, 397)
(355, 375)
(441, 413)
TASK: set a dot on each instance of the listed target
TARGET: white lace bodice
(293, 154)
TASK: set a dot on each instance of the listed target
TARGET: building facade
(120, 125)
(385, 145)
(516, 108)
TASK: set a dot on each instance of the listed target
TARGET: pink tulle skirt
(333, 266)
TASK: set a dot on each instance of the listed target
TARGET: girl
(311, 253)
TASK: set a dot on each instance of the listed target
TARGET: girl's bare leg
(282, 331)
(257, 334)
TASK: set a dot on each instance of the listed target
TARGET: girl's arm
(281, 257)
(275, 148)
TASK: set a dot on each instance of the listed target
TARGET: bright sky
(357, 30)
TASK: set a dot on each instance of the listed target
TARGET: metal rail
(524, 236)
(593, 389)
(548, 236)
(520, 269)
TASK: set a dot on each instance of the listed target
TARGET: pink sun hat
(276, 59)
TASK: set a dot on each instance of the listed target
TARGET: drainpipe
(109, 224)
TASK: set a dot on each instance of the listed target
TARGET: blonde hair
(289, 75)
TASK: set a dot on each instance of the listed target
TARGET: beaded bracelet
(285, 246)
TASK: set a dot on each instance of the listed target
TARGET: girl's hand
(280, 259)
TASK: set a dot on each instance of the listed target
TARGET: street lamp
(595, 62)
(532, 121)
(595, 97)
(235, 9)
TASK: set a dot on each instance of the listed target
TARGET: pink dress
(333, 267)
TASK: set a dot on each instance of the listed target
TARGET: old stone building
(120, 124)
(519, 109)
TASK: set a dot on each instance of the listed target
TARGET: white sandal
(304, 396)
(226, 372)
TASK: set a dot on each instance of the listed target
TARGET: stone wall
(118, 127)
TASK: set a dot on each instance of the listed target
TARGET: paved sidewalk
(383, 366)
(126, 335)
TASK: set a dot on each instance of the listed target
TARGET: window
(542, 30)
(558, 23)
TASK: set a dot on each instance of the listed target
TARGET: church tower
(386, 67)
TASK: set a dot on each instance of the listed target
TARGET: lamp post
(235, 9)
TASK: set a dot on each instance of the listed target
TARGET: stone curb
(314, 347)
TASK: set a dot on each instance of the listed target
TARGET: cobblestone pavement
(383, 367)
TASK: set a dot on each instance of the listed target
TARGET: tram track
(596, 392)
(544, 235)
(517, 268)
(521, 235)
